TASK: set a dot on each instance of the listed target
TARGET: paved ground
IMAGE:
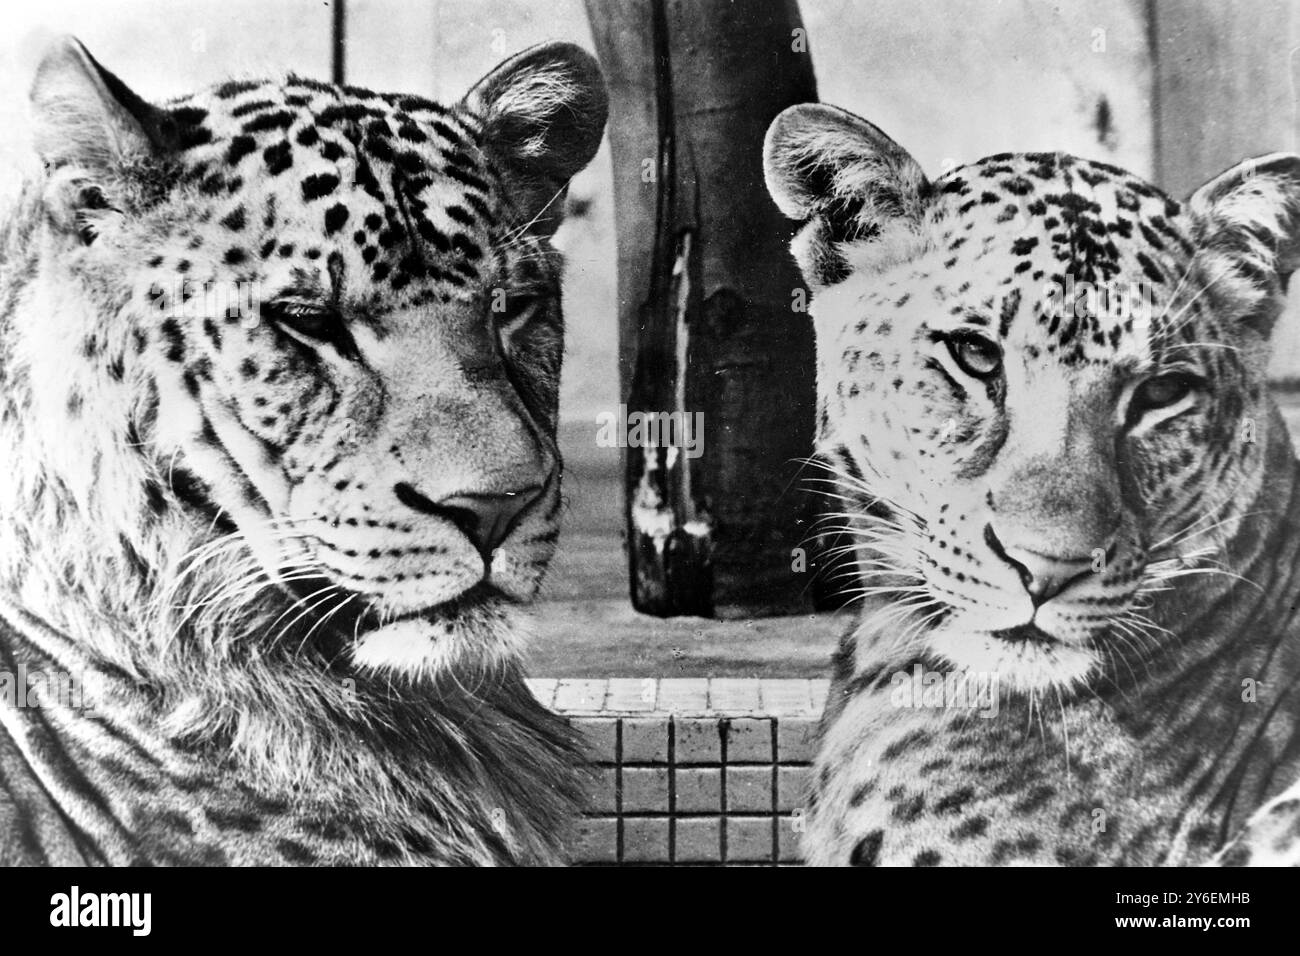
(606, 638)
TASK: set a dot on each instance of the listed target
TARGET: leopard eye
(976, 355)
(305, 318)
(310, 322)
(519, 304)
(1162, 391)
(516, 308)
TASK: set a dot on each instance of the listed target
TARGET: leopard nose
(1044, 576)
(485, 518)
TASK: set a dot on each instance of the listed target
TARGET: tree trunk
(710, 321)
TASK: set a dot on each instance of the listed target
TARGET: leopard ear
(543, 113)
(90, 130)
(85, 116)
(844, 178)
(1246, 228)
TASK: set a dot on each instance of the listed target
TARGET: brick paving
(693, 771)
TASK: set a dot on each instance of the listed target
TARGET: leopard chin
(477, 630)
(472, 619)
(1022, 660)
(476, 633)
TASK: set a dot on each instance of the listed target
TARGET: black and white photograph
(651, 433)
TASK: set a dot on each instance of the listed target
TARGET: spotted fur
(280, 372)
(1079, 505)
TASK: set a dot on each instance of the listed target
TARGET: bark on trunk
(710, 323)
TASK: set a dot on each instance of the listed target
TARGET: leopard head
(305, 339)
(1041, 384)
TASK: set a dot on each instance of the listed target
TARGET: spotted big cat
(280, 366)
(1070, 503)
